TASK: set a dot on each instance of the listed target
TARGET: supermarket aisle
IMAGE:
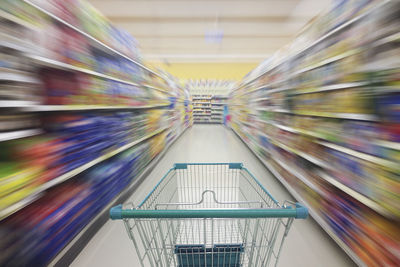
(307, 245)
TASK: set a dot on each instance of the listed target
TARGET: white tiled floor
(307, 245)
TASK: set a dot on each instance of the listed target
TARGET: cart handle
(298, 212)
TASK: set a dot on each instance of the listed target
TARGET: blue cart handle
(298, 212)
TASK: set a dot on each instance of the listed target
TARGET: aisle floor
(307, 244)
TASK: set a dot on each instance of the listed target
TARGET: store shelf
(395, 37)
(19, 205)
(201, 114)
(196, 107)
(260, 99)
(253, 90)
(298, 175)
(75, 246)
(305, 156)
(319, 40)
(201, 98)
(322, 63)
(297, 152)
(346, 116)
(360, 197)
(16, 20)
(158, 89)
(283, 127)
(6, 136)
(58, 180)
(314, 214)
(330, 88)
(101, 44)
(14, 43)
(11, 75)
(65, 66)
(388, 89)
(390, 165)
(247, 124)
(276, 110)
(383, 162)
(17, 103)
(294, 130)
(388, 144)
(54, 108)
(382, 143)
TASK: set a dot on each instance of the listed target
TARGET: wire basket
(209, 214)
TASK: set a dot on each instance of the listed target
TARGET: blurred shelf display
(52, 108)
(208, 108)
(64, 177)
(201, 108)
(102, 216)
(60, 65)
(364, 10)
(17, 104)
(313, 212)
(322, 115)
(87, 8)
(83, 122)
(156, 88)
(4, 15)
(210, 99)
(14, 76)
(18, 134)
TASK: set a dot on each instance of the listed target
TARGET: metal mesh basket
(209, 214)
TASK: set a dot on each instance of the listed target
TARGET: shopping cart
(209, 214)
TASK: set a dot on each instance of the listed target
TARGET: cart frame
(208, 214)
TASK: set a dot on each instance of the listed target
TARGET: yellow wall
(223, 71)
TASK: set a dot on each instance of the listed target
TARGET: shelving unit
(59, 108)
(324, 129)
(19, 134)
(93, 39)
(146, 112)
(208, 108)
(68, 254)
(66, 176)
(309, 46)
(314, 213)
(201, 108)
(218, 103)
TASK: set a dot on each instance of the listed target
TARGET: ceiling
(210, 31)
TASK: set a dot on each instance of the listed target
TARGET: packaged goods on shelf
(322, 114)
(75, 140)
(45, 227)
(20, 13)
(100, 64)
(208, 108)
(355, 224)
(17, 82)
(14, 122)
(57, 58)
